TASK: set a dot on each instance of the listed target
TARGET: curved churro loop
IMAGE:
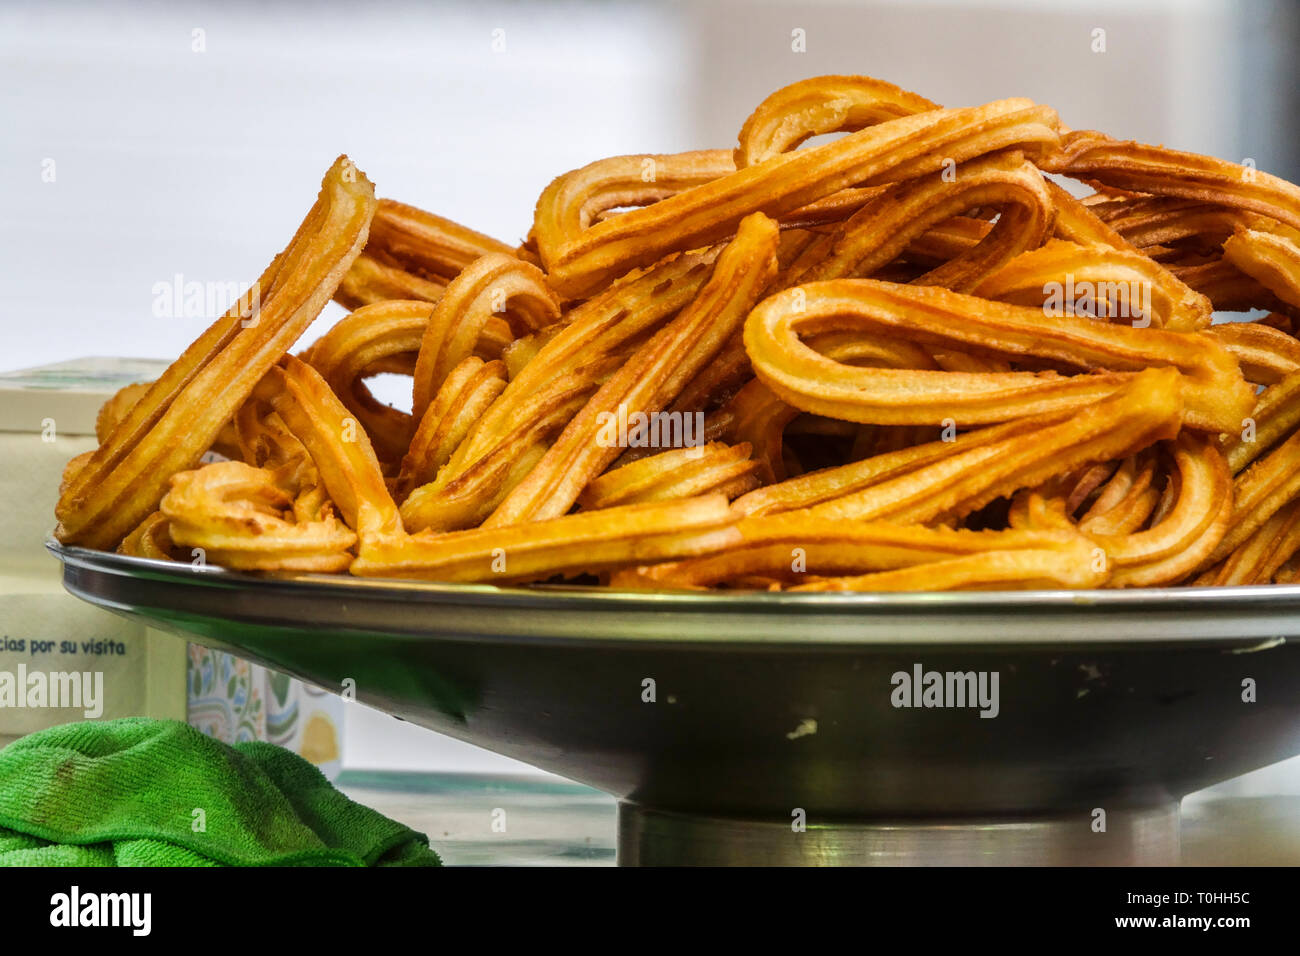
(649, 380)
(1182, 534)
(1126, 500)
(264, 440)
(821, 104)
(757, 416)
(1096, 157)
(576, 200)
(1227, 287)
(789, 548)
(805, 491)
(492, 285)
(581, 543)
(1270, 259)
(377, 338)
(947, 240)
(1203, 484)
(1217, 397)
(718, 381)
(429, 246)
(1164, 221)
(1083, 485)
(1187, 236)
(943, 477)
(117, 408)
(1259, 492)
(870, 441)
(728, 374)
(339, 448)
(244, 517)
(371, 335)
(1075, 222)
(606, 188)
(1079, 223)
(1289, 573)
(514, 432)
(882, 229)
(1280, 321)
(1030, 568)
(1098, 282)
(678, 473)
(274, 512)
(1176, 566)
(1146, 410)
(466, 490)
(372, 280)
(759, 419)
(1275, 416)
(152, 539)
(226, 444)
(1266, 355)
(523, 350)
(185, 410)
(361, 339)
(579, 262)
(464, 396)
(385, 337)
(1259, 558)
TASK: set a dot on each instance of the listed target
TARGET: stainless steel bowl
(771, 710)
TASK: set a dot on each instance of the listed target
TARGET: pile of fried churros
(905, 360)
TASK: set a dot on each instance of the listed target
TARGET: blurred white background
(189, 138)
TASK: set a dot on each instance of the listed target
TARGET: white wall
(168, 160)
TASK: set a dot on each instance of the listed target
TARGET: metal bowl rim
(1187, 600)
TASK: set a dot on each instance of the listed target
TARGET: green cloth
(125, 793)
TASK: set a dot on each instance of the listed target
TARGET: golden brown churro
(579, 262)
(901, 359)
(183, 412)
(1216, 393)
(649, 379)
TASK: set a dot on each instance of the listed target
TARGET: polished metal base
(714, 716)
(1133, 837)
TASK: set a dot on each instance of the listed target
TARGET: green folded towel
(142, 792)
